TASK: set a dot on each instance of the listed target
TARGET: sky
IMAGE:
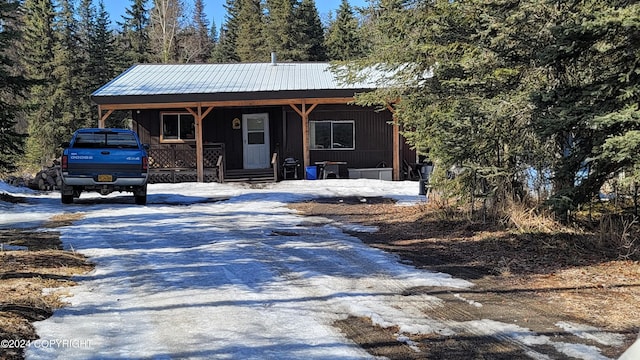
(214, 8)
(228, 271)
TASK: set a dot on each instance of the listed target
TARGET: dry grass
(24, 274)
(579, 273)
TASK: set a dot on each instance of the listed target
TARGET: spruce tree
(225, 51)
(37, 56)
(134, 36)
(214, 39)
(251, 44)
(69, 100)
(11, 87)
(283, 28)
(589, 108)
(311, 33)
(343, 40)
(464, 90)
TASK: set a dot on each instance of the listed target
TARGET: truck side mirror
(64, 145)
(146, 146)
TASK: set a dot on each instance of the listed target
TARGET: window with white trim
(177, 127)
(332, 135)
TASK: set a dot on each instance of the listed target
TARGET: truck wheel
(66, 199)
(141, 199)
(141, 195)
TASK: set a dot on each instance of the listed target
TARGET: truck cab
(104, 161)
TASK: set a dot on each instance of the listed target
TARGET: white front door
(255, 137)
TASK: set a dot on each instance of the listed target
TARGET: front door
(255, 138)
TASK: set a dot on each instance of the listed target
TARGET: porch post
(304, 114)
(199, 147)
(396, 144)
(199, 116)
(103, 118)
(305, 137)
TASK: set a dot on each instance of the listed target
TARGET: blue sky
(214, 8)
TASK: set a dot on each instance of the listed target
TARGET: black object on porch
(290, 168)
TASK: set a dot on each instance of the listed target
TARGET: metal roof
(163, 79)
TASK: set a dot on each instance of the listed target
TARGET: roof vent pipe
(273, 58)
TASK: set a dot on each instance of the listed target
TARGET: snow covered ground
(229, 272)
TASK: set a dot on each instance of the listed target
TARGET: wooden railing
(220, 166)
(274, 164)
(177, 163)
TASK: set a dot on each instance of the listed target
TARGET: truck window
(105, 140)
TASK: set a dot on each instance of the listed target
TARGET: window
(178, 127)
(332, 135)
(105, 139)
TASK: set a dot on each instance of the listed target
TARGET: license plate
(105, 178)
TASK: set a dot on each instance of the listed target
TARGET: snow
(229, 271)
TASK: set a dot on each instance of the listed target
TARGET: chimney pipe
(273, 58)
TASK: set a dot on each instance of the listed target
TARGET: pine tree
(343, 40)
(69, 101)
(251, 44)
(134, 37)
(460, 71)
(214, 39)
(225, 51)
(283, 28)
(589, 108)
(11, 88)
(311, 34)
(36, 54)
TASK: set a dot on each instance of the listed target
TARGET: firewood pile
(47, 179)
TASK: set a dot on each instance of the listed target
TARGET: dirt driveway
(560, 286)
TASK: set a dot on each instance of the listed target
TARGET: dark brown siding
(374, 136)
(216, 128)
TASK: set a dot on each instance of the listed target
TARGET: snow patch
(592, 333)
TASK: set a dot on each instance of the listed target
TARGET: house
(214, 122)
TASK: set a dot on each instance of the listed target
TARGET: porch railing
(169, 164)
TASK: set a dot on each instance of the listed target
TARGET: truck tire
(141, 199)
(66, 199)
(141, 195)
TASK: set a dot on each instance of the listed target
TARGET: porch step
(249, 175)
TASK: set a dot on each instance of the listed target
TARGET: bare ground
(32, 260)
(534, 280)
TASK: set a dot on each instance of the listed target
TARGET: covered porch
(213, 99)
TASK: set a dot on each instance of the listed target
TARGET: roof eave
(225, 97)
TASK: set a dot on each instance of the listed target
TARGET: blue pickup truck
(104, 161)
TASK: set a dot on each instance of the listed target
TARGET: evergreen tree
(311, 32)
(214, 41)
(225, 51)
(589, 106)
(104, 59)
(460, 70)
(134, 37)
(534, 85)
(251, 44)
(36, 55)
(69, 101)
(343, 40)
(282, 29)
(11, 88)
